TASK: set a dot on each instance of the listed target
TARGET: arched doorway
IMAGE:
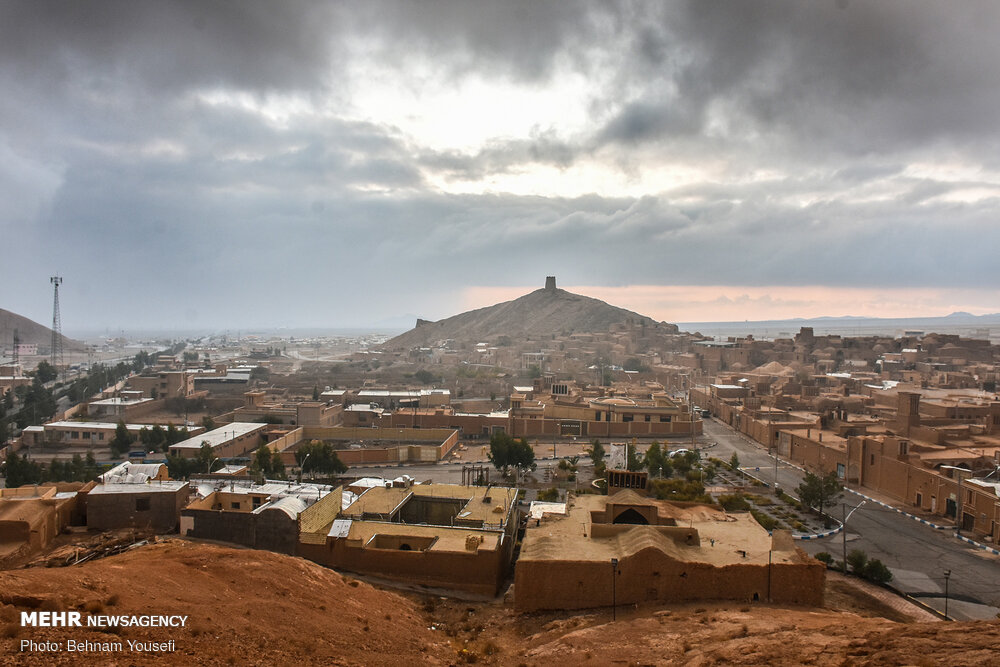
(631, 516)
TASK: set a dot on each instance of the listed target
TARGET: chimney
(550, 283)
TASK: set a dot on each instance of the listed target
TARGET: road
(917, 554)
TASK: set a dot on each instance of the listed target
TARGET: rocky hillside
(30, 332)
(540, 314)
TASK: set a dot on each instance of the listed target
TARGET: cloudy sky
(238, 164)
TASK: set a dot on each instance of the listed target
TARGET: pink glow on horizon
(727, 303)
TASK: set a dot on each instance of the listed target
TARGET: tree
(816, 491)
(315, 393)
(122, 440)
(208, 423)
(506, 453)
(320, 457)
(857, 559)
(268, 463)
(632, 460)
(734, 462)
(425, 376)
(596, 452)
(46, 372)
(653, 461)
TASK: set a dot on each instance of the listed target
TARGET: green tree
(632, 460)
(319, 456)
(208, 423)
(18, 471)
(596, 452)
(122, 440)
(89, 467)
(653, 460)
(506, 453)
(315, 393)
(46, 372)
(816, 491)
(734, 462)
(425, 376)
(857, 559)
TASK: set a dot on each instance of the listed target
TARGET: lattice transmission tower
(56, 353)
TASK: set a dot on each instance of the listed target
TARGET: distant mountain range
(30, 332)
(539, 314)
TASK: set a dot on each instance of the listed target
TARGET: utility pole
(614, 576)
(947, 574)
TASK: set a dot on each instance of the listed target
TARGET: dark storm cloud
(169, 46)
(135, 158)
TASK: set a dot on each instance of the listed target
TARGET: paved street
(918, 555)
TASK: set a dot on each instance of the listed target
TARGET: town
(531, 458)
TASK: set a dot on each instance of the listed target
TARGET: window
(873, 459)
(234, 506)
(142, 504)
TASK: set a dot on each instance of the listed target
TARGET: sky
(226, 165)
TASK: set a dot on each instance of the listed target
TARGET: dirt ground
(254, 607)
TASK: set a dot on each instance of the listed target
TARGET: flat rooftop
(569, 537)
(169, 486)
(383, 501)
(220, 436)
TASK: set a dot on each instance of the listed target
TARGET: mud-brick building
(155, 505)
(662, 552)
(440, 535)
(262, 516)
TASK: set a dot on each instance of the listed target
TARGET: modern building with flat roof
(438, 535)
(230, 440)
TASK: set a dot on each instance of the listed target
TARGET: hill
(261, 608)
(540, 314)
(30, 333)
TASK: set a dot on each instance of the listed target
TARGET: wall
(651, 576)
(109, 511)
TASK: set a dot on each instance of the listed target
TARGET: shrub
(875, 570)
(824, 557)
(734, 503)
(767, 522)
(549, 495)
(857, 559)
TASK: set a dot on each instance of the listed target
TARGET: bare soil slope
(259, 608)
(244, 607)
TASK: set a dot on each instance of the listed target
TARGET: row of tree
(19, 470)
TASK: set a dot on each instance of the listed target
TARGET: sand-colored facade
(664, 551)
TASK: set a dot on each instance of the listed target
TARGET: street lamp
(614, 573)
(212, 463)
(947, 573)
(843, 527)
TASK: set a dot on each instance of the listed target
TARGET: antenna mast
(56, 353)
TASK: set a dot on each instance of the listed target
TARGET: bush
(824, 557)
(857, 559)
(549, 495)
(767, 522)
(734, 503)
(876, 571)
